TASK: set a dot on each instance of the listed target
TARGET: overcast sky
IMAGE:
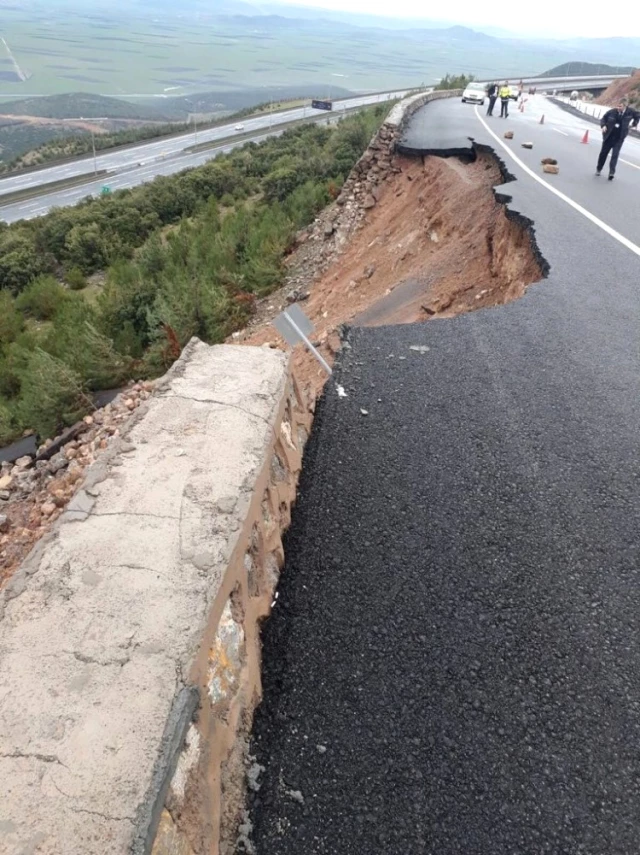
(554, 18)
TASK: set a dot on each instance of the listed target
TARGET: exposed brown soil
(437, 244)
(629, 86)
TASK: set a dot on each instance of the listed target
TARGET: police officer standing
(505, 95)
(615, 126)
(492, 92)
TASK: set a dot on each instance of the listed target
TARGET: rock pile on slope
(34, 491)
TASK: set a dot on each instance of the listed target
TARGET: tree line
(455, 81)
(183, 255)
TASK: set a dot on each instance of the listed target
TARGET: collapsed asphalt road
(453, 663)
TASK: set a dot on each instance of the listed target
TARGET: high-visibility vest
(505, 92)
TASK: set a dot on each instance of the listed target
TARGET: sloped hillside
(570, 69)
(630, 87)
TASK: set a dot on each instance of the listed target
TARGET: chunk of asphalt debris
(253, 773)
(296, 796)
(527, 145)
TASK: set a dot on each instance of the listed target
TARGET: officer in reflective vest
(505, 95)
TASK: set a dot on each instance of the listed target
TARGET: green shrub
(455, 81)
(7, 426)
(20, 260)
(75, 340)
(52, 395)
(42, 298)
(11, 321)
(76, 280)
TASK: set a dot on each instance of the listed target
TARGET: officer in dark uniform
(492, 92)
(615, 126)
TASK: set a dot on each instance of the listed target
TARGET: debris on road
(508, 135)
(419, 348)
(527, 145)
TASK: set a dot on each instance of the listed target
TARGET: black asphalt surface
(453, 663)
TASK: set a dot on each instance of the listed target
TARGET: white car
(239, 127)
(475, 93)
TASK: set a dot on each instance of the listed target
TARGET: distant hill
(169, 109)
(76, 105)
(583, 69)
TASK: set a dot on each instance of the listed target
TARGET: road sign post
(295, 327)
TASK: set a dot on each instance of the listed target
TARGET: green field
(164, 56)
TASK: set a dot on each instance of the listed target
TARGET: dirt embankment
(628, 86)
(437, 244)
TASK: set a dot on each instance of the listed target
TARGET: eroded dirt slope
(437, 244)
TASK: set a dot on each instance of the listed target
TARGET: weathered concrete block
(142, 590)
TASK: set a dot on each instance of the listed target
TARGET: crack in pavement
(23, 755)
(224, 404)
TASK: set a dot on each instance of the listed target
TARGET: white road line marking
(592, 217)
(635, 165)
(558, 131)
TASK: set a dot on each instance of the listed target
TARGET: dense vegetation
(18, 137)
(184, 255)
(455, 81)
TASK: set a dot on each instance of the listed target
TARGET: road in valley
(139, 164)
(453, 661)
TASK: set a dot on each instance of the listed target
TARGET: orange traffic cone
(585, 138)
(542, 119)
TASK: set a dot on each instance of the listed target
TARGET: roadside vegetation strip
(43, 189)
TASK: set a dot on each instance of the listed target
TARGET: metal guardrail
(590, 81)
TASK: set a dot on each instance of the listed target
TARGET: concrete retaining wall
(361, 190)
(129, 647)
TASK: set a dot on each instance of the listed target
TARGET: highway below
(452, 666)
(140, 164)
